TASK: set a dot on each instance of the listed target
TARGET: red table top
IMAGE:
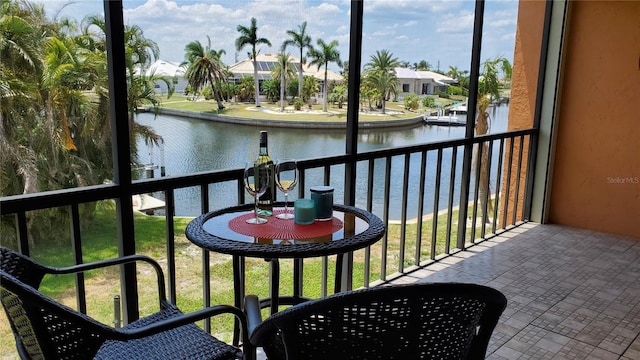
(285, 228)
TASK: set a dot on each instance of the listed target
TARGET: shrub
(411, 102)
(429, 102)
(297, 103)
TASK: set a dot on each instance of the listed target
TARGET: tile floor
(572, 293)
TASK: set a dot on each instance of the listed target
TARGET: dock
(146, 203)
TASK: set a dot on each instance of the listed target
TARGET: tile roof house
(266, 62)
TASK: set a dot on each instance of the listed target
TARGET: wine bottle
(266, 170)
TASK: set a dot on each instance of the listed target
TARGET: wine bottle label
(266, 174)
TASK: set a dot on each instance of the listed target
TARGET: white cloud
(412, 30)
(462, 22)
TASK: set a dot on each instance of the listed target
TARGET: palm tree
(421, 65)
(283, 70)
(385, 82)
(454, 72)
(488, 91)
(20, 72)
(383, 61)
(326, 54)
(139, 54)
(249, 36)
(301, 40)
(380, 72)
(204, 66)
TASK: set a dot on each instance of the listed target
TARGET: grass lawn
(270, 110)
(99, 243)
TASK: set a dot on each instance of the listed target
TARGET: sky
(438, 31)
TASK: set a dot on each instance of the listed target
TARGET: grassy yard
(99, 243)
(270, 110)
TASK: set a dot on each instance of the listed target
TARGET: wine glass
(286, 180)
(256, 187)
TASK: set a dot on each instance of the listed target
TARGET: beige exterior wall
(596, 175)
(596, 178)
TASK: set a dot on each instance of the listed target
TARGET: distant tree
(380, 73)
(249, 36)
(309, 87)
(422, 65)
(454, 72)
(246, 88)
(283, 70)
(270, 89)
(327, 53)
(302, 41)
(386, 84)
(488, 91)
(339, 95)
(204, 66)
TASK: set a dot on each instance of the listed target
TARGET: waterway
(192, 146)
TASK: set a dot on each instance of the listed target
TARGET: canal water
(192, 145)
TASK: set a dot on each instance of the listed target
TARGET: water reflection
(197, 145)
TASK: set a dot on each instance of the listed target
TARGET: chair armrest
(184, 319)
(111, 262)
(253, 313)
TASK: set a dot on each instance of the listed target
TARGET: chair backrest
(418, 321)
(43, 328)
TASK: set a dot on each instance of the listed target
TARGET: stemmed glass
(286, 180)
(256, 187)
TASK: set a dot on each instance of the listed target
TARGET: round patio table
(224, 231)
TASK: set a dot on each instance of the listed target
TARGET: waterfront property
(561, 241)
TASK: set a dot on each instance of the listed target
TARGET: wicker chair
(419, 321)
(46, 329)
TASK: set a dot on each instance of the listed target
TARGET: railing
(432, 179)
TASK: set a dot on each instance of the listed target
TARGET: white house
(172, 71)
(421, 82)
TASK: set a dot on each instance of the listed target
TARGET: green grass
(99, 243)
(247, 110)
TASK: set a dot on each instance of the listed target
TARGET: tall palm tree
(249, 36)
(380, 72)
(205, 66)
(140, 52)
(488, 91)
(283, 70)
(327, 53)
(302, 41)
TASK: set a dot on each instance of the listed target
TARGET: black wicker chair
(46, 329)
(419, 321)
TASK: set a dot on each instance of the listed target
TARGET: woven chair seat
(185, 342)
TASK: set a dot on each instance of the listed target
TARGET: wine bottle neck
(263, 143)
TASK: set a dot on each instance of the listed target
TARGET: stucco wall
(596, 178)
(524, 85)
